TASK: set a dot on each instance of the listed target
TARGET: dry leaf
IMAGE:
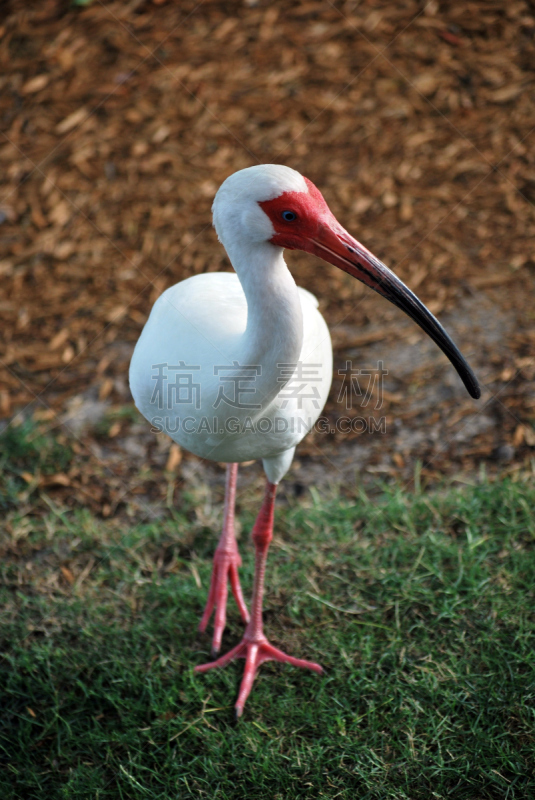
(44, 414)
(5, 402)
(105, 389)
(67, 574)
(175, 457)
(114, 430)
(398, 460)
(60, 479)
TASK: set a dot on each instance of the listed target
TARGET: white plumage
(202, 321)
(257, 318)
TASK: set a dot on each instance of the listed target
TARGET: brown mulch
(120, 120)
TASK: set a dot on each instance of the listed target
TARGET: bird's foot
(226, 562)
(255, 650)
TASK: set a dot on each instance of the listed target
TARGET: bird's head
(274, 204)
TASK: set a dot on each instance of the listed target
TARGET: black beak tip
(470, 381)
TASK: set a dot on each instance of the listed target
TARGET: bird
(221, 364)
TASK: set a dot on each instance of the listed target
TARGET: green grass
(420, 607)
(25, 450)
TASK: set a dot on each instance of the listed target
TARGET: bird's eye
(289, 216)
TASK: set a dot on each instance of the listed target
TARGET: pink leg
(254, 646)
(226, 562)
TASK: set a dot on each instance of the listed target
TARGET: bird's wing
(194, 324)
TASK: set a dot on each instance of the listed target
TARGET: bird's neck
(274, 332)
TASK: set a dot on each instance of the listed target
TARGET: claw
(255, 651)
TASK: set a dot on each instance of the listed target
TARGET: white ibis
(215, 364)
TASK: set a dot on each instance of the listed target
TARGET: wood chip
(35, 84)
(72, 120)
(130, 153)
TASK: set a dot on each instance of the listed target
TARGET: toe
(251, 666)
(237, 592)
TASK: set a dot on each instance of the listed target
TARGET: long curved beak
(335, 245)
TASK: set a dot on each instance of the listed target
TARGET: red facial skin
(312, 214)
(316, 230)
